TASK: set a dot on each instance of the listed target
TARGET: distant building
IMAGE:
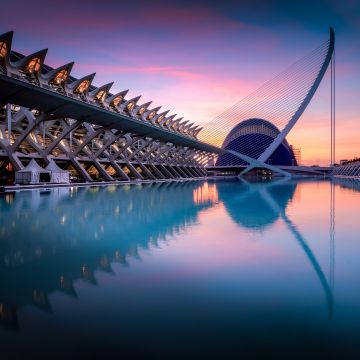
(349, 161)
(251, 137)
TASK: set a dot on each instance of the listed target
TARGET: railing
(350, 169)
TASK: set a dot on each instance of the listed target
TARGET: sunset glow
(198, 60)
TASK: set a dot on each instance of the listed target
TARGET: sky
(197, 58)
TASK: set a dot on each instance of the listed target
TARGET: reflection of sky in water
(182, 267)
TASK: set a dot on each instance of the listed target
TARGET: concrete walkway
(11, 188)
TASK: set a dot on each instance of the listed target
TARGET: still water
(227, 269)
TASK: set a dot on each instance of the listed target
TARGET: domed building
(251, 137)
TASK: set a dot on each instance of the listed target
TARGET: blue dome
(251, 137)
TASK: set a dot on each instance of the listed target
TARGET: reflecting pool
(226, 269)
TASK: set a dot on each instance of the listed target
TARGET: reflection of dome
(251, 137)
(249, 208)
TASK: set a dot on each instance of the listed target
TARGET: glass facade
(101, 95)
(3, 50)
(82, 87)
(33, 66)
(60, 77)
(117, 100)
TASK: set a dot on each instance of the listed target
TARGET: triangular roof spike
(51, 74)
(143, 106)
(20, 64)
(126, 106)
(166, 119)
(33, 166)
(170, 123)
(146, 105)
(7, 39)
(156, 109)
(175, 125)
(105, 88)
(134, 100)
(197, 131)
(151, 111)
(72, 86)
(52, 166)
(41, 301)
(157, 116)
(192, 130)
(122, 94)
(67, 287)
(187, 127)
(164, 113)
(181, 125)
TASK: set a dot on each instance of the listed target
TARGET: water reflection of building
(205, 194)
(249, 208)
(347, 183)
(258, 205)
(75, 232)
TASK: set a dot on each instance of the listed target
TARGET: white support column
(8, 118)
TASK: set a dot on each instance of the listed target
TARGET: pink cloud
(170, 71)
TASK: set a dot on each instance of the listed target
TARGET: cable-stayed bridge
(253, 130)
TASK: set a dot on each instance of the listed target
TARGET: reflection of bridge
(265, 203)
(293, 170)
(347, 182)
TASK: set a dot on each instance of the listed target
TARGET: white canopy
(58, 175)
(33, 166)
(30, 174)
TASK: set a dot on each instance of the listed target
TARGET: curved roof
(252, 137)
(251, 126)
